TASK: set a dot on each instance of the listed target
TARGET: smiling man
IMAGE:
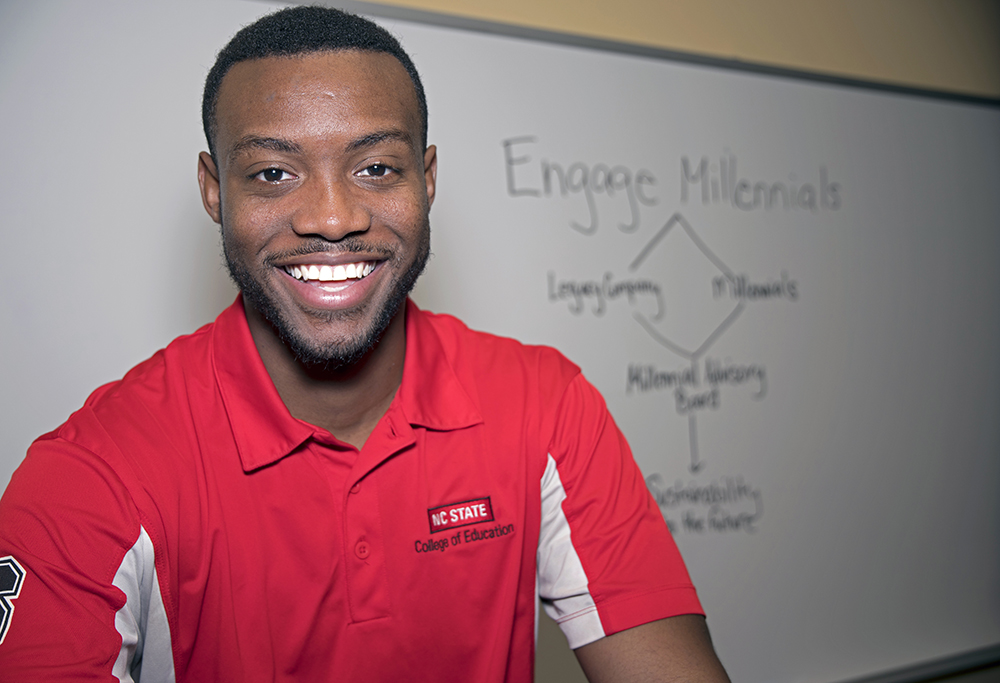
(328, 483)
(322, 186)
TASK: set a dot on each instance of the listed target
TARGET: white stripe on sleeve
(562, 583)
(142, 621)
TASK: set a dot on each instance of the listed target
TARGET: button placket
(364, 542)
(367, 586)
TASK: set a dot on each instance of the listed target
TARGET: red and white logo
(453, 515)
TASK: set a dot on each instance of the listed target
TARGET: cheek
(249, 225)
(407, 214)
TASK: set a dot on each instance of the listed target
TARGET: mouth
(316, 273)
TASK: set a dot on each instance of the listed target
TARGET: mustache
(348, 245)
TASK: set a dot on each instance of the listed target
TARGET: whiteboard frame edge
(964, 662)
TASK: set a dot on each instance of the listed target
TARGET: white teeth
(324, 273)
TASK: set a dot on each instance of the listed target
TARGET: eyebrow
(256, 142)
(288, 147)
(377, 137)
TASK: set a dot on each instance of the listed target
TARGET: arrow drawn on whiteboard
(696, 464)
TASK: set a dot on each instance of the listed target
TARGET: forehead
(349, 93)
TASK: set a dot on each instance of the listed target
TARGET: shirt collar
(429, 396)
(263, 429)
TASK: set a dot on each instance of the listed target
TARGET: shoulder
(143, 415)
(510, 383)
(149, 394)
(127, 434)
(491, 355)
(184, 355)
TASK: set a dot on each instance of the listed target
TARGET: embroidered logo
(11, 578)
(453, 515)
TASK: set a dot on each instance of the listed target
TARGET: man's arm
(606, 561)
(69, 528)
(670, 650)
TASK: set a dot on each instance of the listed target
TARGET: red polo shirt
(184, 524)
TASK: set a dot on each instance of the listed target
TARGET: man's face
(323, 192)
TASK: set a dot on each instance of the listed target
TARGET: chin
(335, 355)
(339, 354)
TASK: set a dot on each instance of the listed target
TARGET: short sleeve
(606, 560)
(66, 527)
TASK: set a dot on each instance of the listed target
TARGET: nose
(331, 209)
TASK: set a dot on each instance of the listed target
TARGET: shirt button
(362, 550)
(356, 487)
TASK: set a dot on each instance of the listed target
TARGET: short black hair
(297, 31)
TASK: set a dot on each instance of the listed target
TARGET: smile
(324, 273)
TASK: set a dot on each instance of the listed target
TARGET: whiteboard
(787, 291)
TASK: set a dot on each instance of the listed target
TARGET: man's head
(320, 180)
(299, 31)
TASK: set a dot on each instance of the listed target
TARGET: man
(328, 483)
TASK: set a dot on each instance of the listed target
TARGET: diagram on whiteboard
(685, 298)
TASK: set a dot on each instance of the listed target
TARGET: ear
(208, 181)
(430, 172)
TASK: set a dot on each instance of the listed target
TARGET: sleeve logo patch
(11, 578)
(453, 515)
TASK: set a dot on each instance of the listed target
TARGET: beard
(340, 354)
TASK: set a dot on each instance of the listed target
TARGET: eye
(273, 175)
(376, 171)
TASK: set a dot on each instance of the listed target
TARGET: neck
(347, 402)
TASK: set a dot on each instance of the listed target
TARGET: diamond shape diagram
(697, 307)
